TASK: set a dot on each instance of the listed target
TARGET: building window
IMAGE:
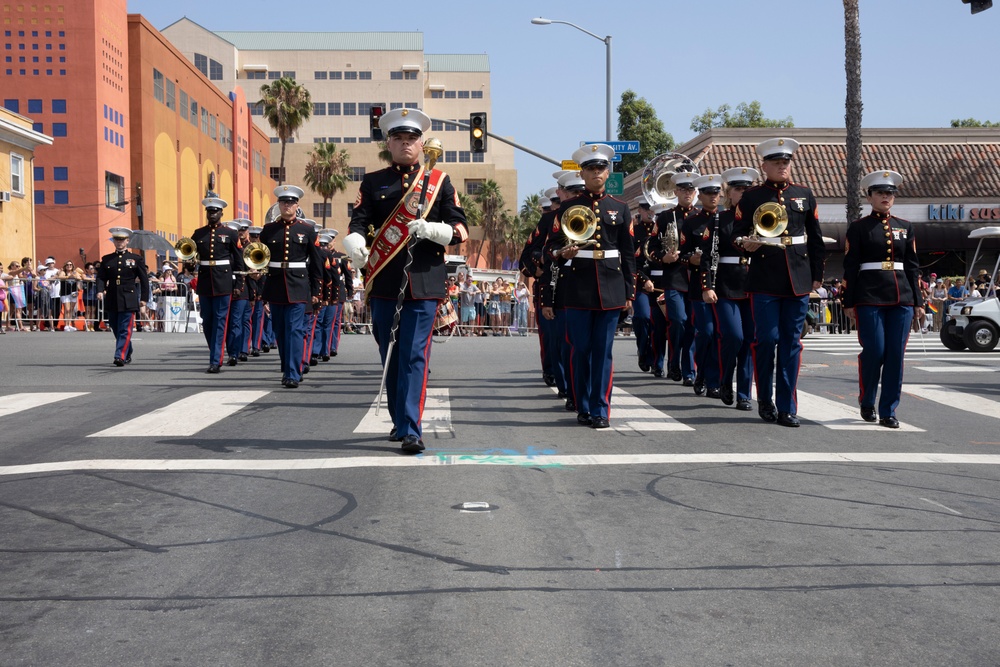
(256, 75)
(158, 85)
(323, 210)
(357, 173)
(395, 76)
(58, 129)
(333, 140)
(278, 174)
(39, 173)
(256, 109)
(319, 140)
(465, 156)
(273, 75)
(350, 109)
(450, 94)
(319, 108)
(194, 112)
(365, 76)
(410, 75)
(114, 191)
(211, 127)
(350, 140)
(336, 76)
(463, 94)
(12, 105)
(411, 105)
(395, 105)
(437, 126)
(60, 173)
(319, 76)
(350, 211)
(38, 127)
(201, 62)
(333, 108)
(16, 173)
(451, 156)
(215, 70)
(477, 94)
(275, 140)
(39, 197)
(351, 76)
(60, 197)
(478, 157)
(437, 94)
(171, 101)
(185, 108)
(34, 106)
(474, 186)
(58, 106)
(451, 127)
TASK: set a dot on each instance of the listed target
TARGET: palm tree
(491, 202)
(383, 153)
(852, 115)
(328, 172)
(287, 105)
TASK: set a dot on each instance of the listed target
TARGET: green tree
(328, 172)
(491, 202)
(745, 115)
(972, 122)
(287, 105)
(853, 106)
(637, 121)
(383, 153)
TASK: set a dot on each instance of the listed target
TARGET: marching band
(715, 269)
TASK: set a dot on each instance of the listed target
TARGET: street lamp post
(607, 43)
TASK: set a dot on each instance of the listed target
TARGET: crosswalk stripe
(955, 369)
(435, 420)
(838, 416)
(184, 417)
(955, 399)
(631, 412)
(15, 403)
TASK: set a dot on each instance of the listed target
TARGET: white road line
(839, 416)
(436, 418)
(631, 413)
(430, 459)
(14, 403)
(955, 369)
(184, 417)
(955, 399)
(928, 500)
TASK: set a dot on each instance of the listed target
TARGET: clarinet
(714, 265)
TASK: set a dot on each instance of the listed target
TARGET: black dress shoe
(599, 422)
(658, 373)
(868, 413)
(284, 381)
(411, 444)
(889, 422)
(325, 357)
(243, 356)
(255, 353)
(549, 380)
(231, 362)
(744, 405)
(392, 435)
(570, 405)
(561, 395)
(788, 419)
(313, 361)
(727, 396)
(119, 362)
(265, 348)
(699, 387)
(675, 375)
(584, 419)
(291, 384)
(333, 353)
(688, 382)
(214, 368)
(128, 359)
(714, 392)
(305, 370)
(767, 412)
(643, 367)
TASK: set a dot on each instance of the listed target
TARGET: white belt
(882, 266)
(597, 254)
(286, 265)
(215, 262)
(733, 259)
(781, 240)
(657, 272)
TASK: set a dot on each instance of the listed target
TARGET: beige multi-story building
(17, 200)
(347, 73)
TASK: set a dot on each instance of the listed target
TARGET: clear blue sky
(924, 62)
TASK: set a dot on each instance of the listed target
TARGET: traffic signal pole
(516, 145)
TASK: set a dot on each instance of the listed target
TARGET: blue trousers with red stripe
(642, 325)
(591, 335)
(214, 314)
(406, 377)
(289, 334)
(236, 341)
(334, 344)
(735, 325)
(324, 329)
(778, 322)
(706, 344)
(121, 323)
(882, 332)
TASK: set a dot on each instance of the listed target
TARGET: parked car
(974, 323)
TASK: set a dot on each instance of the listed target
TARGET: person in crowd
(88, 284)
(49, 290)
(958, 291)
(645, 299)
(69, 277)
(17, 302)
(117, 274)
(939, 302)
(882, 294)
(523, 299)
(408, 266)
(784, 269)
(480, 298)
(468, 306)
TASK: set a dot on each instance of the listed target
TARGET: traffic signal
(477, 132)
(374, 115)
(978, 5)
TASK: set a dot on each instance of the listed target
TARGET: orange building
(108, 89)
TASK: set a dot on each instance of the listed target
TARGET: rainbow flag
(931, 307)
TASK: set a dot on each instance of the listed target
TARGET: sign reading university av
(962, 212)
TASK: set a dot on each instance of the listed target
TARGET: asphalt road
(147, 519)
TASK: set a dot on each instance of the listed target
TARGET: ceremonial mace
(433, 150)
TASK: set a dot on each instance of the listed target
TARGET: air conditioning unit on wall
(4, 196)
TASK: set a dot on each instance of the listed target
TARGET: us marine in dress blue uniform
(238, 325)
(117, 274)
(882, 273)
(783, 271)
(218, 256)
(387, 208)
(642, 308)
(294, 274)
(597, 283)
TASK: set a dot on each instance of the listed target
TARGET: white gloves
(354, 244)
(438, 232)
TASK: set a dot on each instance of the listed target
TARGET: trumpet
(579, 224)
(187, 250)
(256, 256)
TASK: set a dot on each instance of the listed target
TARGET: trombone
(187, 250)
(770, 221)
(256, 257)
(579, 224)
